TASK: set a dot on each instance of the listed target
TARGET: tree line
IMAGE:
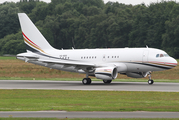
(93, 24)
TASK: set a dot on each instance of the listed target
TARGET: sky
(133, 2)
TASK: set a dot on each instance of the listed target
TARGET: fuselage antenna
(73, 42)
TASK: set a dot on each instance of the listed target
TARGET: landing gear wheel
(107, 81)
(89, 80)
(86, 81)
(150, 82)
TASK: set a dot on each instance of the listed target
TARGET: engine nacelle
(106, 73)
(136, 74)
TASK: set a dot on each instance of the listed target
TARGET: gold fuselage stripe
(33, 45)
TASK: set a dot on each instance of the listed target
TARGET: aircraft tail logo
(33, 39)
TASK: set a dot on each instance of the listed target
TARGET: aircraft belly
(131, 67)
(144, 67)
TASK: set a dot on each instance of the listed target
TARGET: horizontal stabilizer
(27, 56)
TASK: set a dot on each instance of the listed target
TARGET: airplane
(104, 64)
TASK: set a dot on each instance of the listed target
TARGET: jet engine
(137, 74)
(106, 73)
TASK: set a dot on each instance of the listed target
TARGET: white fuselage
(135, 59)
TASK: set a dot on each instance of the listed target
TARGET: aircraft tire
(86, 81)
(107, 81)
(150, 82)
(89, 80)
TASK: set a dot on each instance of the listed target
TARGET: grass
(7, 58)
(89, 119)
(67, 100)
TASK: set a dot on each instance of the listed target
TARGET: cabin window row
(89, 57)
(94, 57)
(65, 58)
(113, 56)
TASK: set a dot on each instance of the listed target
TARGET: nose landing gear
(150, 81)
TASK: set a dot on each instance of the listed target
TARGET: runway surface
(96, 85)
(64, 114)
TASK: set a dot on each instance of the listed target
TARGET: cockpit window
(157, 55)
(166, 55)
(162, 55)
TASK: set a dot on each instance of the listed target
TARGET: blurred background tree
(93, 24)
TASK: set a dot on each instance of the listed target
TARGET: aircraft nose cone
(174, 62)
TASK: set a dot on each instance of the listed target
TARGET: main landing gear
(150, 81)
(86, 81)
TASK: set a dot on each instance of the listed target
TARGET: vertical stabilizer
(33, 39)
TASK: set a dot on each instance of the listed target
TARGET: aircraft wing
(29, 57)
(65, 62)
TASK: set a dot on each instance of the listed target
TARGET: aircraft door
(145, 56)
(104, 58)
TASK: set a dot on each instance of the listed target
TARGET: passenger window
(161, 55)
